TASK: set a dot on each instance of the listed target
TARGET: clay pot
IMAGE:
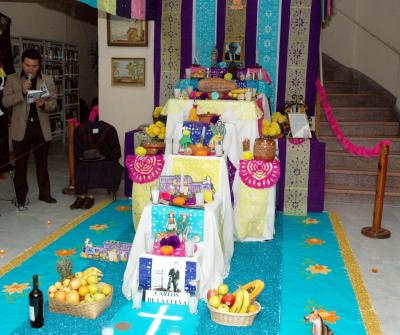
(154, 148)
(264, 149)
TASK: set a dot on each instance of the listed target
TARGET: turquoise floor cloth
(282, 263)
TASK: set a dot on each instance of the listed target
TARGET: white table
(211, 255)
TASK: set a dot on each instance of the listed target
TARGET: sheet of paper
(299, 126)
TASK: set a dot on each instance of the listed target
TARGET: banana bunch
(242, 301)
(239, 90)
(89, 272)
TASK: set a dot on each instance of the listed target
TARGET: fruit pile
(241, 301)
(83, 287)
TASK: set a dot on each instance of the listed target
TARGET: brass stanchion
(376, 231)
(71, 188)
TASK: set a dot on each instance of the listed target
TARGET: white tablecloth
(243, 115)
(212, 261)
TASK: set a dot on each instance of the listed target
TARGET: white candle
(108, 330)
(181, 184)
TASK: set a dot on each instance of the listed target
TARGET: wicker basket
(234, 319)
(89, 310)
(216, 85)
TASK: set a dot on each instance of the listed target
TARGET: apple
(99, 296)
(52, 289)
(89, 297)
(211, 292)
(214, 301)
(72, 297)
(92, 279)
(83, 290)
(228, 299)
(224, 308)
(106, 289)
(223, 289)
(93, 288)
(75, 283)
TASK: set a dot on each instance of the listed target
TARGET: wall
(125, 107)
(364, 35)
(36, 21)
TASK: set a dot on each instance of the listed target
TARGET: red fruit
(211, 292)
(228, 299)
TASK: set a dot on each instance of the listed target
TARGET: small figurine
(318, 325)
(185, 140)
(193, 117)
(88, 243)
(171, 224)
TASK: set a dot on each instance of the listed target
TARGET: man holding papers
(30, 125)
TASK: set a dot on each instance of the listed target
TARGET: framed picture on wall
(122, 31)
(233, 50)
(128, 71)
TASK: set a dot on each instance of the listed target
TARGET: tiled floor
(18, 230)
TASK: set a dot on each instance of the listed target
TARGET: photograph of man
(233, 51)
(173, 278)
(30, 125)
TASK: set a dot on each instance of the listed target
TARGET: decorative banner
(170, 48)
(259, 174)
(296, 178)
(235, 25)
(268, 29)
(297, 54)
(135, 9)
(108, 6)
(144, 169)
(187, 223)
(205, 30)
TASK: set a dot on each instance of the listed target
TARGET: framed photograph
(233, 50)
(299, 125)
(128, 71)
(122, 31)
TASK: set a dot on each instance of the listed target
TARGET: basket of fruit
(82, 295)
(237, 309)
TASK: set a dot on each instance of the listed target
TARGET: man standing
(30, 125)
(173, 278)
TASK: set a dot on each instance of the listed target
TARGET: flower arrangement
(140, 151)
(270, 129)
(156, 131)
(157, 115)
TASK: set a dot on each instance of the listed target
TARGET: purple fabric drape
(150, 13)
(285, 20)
(251, 33)
(123, 8)
(186, 35)
(316, 177)
(129, 149)
(221, 13)
(157, 50)
(313, 55)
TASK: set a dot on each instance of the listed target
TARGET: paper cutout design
(144, 169)
(259, 174)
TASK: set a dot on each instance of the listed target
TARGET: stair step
(341, 193)
(332, 143)
(357, 100)
(361, 178)
(343, 160)
(360, 128)
(336, 86)
(361, 113)
(337, 74)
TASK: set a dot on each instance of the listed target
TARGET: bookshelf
(61, 62)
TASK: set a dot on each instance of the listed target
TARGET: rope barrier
(346, 143)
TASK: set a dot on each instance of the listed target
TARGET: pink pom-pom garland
(347, 145)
